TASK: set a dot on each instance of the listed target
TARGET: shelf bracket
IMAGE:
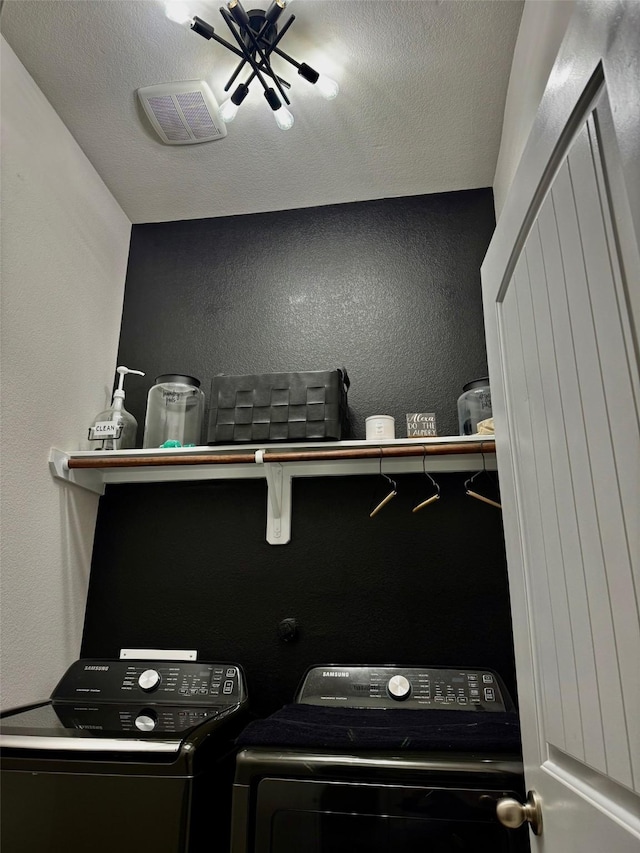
(278, 500)
(87, 479)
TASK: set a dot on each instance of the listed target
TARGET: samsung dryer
(385, 759)
(126, 757)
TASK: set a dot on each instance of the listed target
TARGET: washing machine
(126, 756)
(383, 759)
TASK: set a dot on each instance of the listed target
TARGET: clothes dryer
(383, 759)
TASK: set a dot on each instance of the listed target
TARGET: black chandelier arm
(269, 71)
(244, 50)
(255, 67)
(272, 47)
(246, 54)
(239, 15)
(305, 71)
(233, 77)
(202, 28)
(228, 45)
(287, 57)
(265, 70)
(266, 24)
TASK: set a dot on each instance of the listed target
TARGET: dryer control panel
(153, 682)
(404, 687)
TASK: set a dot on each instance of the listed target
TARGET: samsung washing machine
(127, 757)
(383, 759)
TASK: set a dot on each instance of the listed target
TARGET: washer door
(334, 817)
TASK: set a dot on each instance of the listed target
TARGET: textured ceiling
(422, 91)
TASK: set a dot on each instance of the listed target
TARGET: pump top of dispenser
(122, 371)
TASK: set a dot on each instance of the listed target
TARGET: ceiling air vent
(183, 113)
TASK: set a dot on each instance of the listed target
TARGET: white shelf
(277, 463)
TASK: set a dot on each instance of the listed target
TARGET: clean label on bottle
(105, 429)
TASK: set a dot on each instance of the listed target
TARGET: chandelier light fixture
(257, 39)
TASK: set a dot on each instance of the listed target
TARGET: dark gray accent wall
(190, 568)
(391, 290)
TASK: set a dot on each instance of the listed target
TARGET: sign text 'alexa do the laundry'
(421, 425)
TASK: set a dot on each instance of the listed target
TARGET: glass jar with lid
(175, 409)
(474, 405)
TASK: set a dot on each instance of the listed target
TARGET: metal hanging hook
(390, 496)
(434, 497)
(472, 492)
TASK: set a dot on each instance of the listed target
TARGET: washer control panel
(156, 682)
(404, 687)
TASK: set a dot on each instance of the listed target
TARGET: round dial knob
(146, 721)
(399, 687)
(149, 680)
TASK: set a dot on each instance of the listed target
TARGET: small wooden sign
(421, 425)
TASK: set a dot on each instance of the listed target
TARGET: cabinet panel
(598, 346)
(546, 433)
(571, 476)
(528, 487)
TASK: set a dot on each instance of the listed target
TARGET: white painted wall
(65, 243)
(542, 28)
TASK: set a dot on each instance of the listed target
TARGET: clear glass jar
(474, 405)
(175, 409)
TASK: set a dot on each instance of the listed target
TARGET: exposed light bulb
(228, 111)
(327, 87)
(283, 118)
(178, 12)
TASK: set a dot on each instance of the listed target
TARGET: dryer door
(337, 817)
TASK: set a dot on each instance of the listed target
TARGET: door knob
(513, 814)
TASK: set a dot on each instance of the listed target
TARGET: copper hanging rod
(282, 456)
(155, 461)
(375, 452)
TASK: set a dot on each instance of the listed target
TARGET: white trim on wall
(542, 28)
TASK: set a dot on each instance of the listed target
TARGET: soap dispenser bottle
(115, 428)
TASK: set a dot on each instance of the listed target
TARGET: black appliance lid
(373, 728)
(101, 727)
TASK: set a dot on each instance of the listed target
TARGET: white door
(561, 285)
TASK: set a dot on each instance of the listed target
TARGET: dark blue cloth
(374, 728)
